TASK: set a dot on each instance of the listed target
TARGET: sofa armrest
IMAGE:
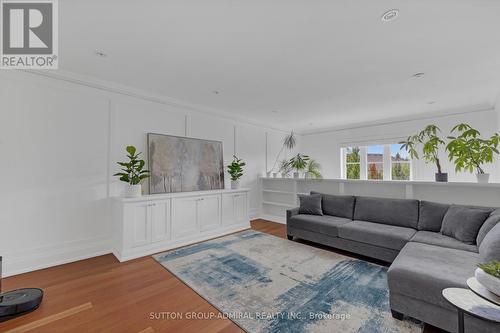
(291, 212)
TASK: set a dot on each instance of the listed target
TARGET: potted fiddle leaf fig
(430, 142)
(132, 173)
(235, 170)
(298, 163)
(470, 152)
(488, 274)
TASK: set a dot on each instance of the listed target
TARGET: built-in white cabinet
(156, 223)
(209, 212)
(234, 208)
(160, 220)
(184, 216)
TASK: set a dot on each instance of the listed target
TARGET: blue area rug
(267, 284)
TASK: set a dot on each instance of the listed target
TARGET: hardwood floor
(104, 295)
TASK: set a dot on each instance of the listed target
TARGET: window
(353, 163)
(376, 162)
(400, 163)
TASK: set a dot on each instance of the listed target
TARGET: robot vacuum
(18, 302)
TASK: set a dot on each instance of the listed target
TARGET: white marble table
(466, 301)
(480, 290)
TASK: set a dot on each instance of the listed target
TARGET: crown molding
(116, 88)
(396, 120)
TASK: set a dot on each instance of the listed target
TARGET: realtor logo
(29, 34)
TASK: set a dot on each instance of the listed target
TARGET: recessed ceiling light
(390, 15)
(100, 53)
(418, 75)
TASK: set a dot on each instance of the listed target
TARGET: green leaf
(131, 150)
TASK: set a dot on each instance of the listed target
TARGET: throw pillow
(337, 205)
(486, 227)
(490, 246)
(310, 204)
(463, 223)
(431, 215)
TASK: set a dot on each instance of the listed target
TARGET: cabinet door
(234, 209)
(227, 209)
(139, 225)
(209, 215)
(160, 220)
(240, 208)
(184, 216)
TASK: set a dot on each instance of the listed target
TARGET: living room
(231, 166)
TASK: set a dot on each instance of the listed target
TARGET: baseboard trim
(170, 245)
(274, 218)
(48, 256)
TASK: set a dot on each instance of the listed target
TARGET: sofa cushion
(310, 204)
(435, 238)
(487, 226)
(422, 271)
(490, 246)
(337, 205)
(323, 224)
(398, 212)
(383, 235)
(431, 215)
(463, 223)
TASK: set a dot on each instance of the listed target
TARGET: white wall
(60, 142)
(325, 147)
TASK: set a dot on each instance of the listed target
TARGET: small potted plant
(235, 170)
(133, 173)
(285, 168)
(469, 151)
(298, 163)
(430, 142)
(488, 274)
(313, 170)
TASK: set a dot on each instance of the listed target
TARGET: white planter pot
(133, 191)
(268, 174)
(483, 178)
(296, 175)
(275, 175)
(235, 184)
(488, 281)
(307, 175)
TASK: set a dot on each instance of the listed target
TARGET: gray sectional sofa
(431, 246)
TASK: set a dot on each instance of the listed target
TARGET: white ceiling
(317, 63)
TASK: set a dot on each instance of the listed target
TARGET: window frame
(387, 163)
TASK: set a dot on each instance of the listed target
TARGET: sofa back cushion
(398, 212)
(488, 225)
(431, 215)
(463, 223)
(337, 205)
(310, 204)
(490, 246)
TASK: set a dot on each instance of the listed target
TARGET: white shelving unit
(280, 194)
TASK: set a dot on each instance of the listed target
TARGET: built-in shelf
(279, 192)
(282, 204)
(469, 193)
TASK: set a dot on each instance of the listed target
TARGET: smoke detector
(100, 53)
(390, 15)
